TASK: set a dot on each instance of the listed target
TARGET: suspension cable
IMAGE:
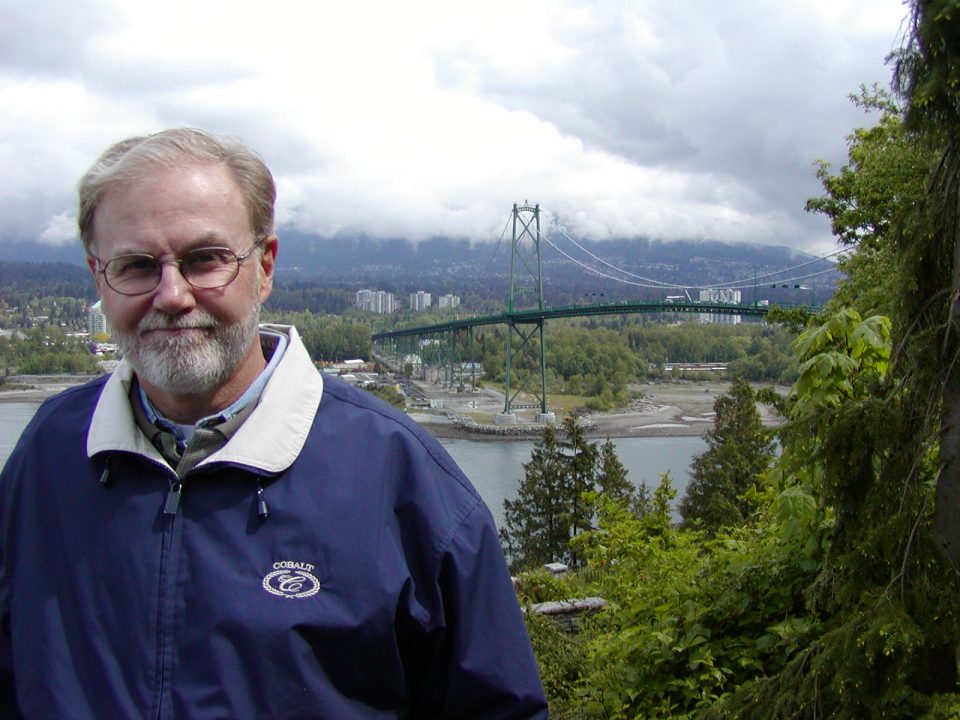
(743, 283)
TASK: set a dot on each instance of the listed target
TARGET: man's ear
(268, 260)
(97, 276)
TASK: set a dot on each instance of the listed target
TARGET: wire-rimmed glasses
(204, 268)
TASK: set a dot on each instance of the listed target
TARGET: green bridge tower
(526, 368)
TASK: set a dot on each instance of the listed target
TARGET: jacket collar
(270, 439)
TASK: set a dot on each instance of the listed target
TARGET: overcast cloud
(680, 119)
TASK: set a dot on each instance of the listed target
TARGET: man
(215, 531)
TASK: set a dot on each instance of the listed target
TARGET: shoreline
(451, 431)
(665, 410)
(37, 388)
(660, 409)
(596, 426)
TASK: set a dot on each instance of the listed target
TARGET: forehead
(169, 208)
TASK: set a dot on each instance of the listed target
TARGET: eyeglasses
(204, 268)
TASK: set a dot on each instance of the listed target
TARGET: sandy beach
(665, 409)
(37, 388)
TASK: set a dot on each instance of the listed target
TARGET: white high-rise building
(420, 300)
(448, 301)
(376, 301)
(385, 303)
(96, 321)
(364, 299)
(720, 295)
(725, 296)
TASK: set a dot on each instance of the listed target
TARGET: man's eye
(134, 266)
(207, 258)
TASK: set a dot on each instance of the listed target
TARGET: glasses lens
(132, 274)
(210, 267)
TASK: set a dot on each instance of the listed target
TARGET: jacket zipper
(173, 497)
(166, 609)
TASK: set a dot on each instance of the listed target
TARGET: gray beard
(189, 365)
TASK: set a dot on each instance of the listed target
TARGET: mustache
(196, 319)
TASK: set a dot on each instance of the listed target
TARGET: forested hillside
(323, 274)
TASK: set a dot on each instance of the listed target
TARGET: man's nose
(173, 294)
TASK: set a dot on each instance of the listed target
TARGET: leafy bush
(560, 657)
(537, 586)
(691, 619)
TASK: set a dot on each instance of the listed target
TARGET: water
(493, 466)
(13, 419)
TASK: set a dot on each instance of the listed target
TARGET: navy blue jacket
(374, 588)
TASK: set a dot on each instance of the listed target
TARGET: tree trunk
(946, 521)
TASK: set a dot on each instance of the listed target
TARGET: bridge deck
(623, 308)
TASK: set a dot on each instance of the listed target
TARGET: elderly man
(215, 531)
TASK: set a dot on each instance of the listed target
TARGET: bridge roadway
(521, 317)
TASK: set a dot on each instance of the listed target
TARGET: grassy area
(563, 405)
(560, 405)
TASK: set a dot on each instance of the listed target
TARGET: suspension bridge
(526, 315)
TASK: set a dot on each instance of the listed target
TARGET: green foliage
(850, 469)
(306, 295)
(836, 354)
(612, 481)
(883, 178)
(489, 347)
(328, 338)
(46, 350)
(388, 394)
(560, 661)
(597, 363)
(830, 599)
(738, 452)
(752, 351)
(928, 70)
(533, 532)
(794, 319)
(556, 498)
(539, 585)
(691, 619)
(863, 436)
(44, 294)
(868, 198)
(47, 363)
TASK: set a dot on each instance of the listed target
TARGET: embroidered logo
(291, 580)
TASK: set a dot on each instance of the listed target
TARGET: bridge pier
(506, 418)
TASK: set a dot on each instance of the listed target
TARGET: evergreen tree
(928, 71)
(534, 532)
(613, 483)
(581, 461)
(553, 503)
(738, 451)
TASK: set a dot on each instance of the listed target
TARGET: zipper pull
(262, 509)
(173, 498)
(105, 477)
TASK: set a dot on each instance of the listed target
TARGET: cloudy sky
(663, 118)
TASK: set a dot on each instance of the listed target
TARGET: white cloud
(60, 229)
(688, 119)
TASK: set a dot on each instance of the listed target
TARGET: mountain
(19, 280)
(34, 252)
(480, 273)
(443, 265)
